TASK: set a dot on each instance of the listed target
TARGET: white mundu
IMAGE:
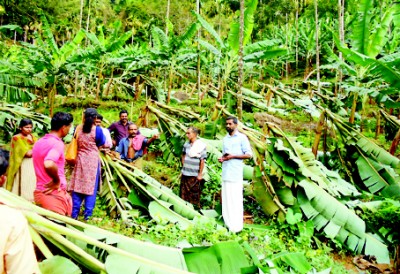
(232, 209)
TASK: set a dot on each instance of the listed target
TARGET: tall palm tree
(198, 71)
(341, 38)
(167, 17)
(317, 44)
(240, 62)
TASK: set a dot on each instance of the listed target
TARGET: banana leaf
(291, 161)
(233, 36)
(158, 211)
(155, 191)
(58, 264)
(378, 169)
(263, 195)
(339, 222)
(297, 261)
(225, 257)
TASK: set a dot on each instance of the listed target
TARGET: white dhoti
(232, 204)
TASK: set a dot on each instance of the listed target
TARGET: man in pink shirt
(48, 161)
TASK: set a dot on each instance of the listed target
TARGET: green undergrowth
(266, 241)
(108, 108)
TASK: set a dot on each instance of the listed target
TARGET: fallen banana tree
(95, 249)
(126, 186)
(377, 170)
(82, 248)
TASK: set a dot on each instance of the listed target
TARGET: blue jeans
(90, 201)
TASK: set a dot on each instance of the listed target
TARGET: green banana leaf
(361, 29)
(339, 222)
(210, 29)
(262, 193)
(289, 160)
(225, 257)
(233, 36)
(58, 264)
(297, 261)
(378, 170)
(159, 212)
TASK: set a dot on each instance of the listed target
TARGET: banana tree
(225, 54)
(48, 62)
(301, 182)
(174, 55)
(127, 186)
(376, 169)
(369, 37)
(102, 54)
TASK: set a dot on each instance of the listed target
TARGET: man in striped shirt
(193, 159)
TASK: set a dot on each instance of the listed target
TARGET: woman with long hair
(85, 178)
(21, 178)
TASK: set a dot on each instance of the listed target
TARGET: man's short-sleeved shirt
(120, 131)
(16, 249)
(49, 147)
(237, 144)
(191, 165)
(108, 143)
(123, 147)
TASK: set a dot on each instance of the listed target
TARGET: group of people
(45, 159)
(37, 167)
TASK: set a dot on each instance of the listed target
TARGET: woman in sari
(21, 178)
(85, 178)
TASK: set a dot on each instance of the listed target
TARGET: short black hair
(234, 119)
(4, 154)
(61, 119)
(123, 111)
(99, 116)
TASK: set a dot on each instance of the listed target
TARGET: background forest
(315, 85)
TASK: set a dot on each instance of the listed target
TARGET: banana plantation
(315, 86)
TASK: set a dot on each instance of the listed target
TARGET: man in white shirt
(16, 248)
(108, 144)
(236, 147)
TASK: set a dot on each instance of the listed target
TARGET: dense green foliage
(310, 110)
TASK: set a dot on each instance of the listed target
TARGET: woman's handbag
(72, 149)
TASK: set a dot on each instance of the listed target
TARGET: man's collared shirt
(123, 146)
(120, 130)
(49, 147)
(237, 144)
